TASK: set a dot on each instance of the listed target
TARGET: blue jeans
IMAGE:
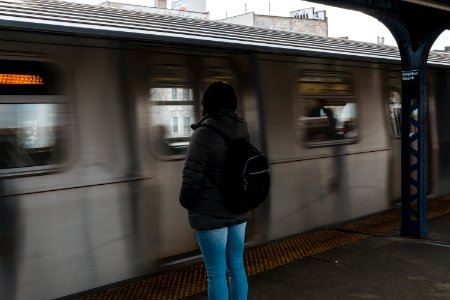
(222, 251)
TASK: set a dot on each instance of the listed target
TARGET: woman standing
(220, 233)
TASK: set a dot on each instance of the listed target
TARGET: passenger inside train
(324, 121)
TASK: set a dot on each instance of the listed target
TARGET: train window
(395, 106)
(326, 110)
(172, 111)
(30, 126)
(28, 135)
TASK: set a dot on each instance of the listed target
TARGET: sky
(341, 23)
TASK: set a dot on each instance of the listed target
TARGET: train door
(393, 100)
(34, 145)
(225, 68)
(175, 87)
(439, 141)
(170, 108)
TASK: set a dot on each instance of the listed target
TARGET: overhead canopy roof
(415, 24)
(437, 8)
(437, 4)
(419, 14)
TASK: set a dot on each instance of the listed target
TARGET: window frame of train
(215, 73)
(320, 98)
(171, 98)
(394, 105)
(32, 133)
(173, 77)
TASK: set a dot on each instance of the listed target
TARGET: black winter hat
(219, 96)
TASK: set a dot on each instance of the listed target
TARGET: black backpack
(246, 180)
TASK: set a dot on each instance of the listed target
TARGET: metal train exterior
(95, 109)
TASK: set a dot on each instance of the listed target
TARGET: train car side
(106, 209)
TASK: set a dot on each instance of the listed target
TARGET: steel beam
(415, 25)
(414, 152)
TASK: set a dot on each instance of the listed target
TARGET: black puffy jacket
(203, 172)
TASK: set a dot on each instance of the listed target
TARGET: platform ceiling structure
(415, 25)
(411, 22)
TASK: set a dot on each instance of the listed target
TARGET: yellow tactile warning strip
(390, 220)
(191, 280)
(275, 254)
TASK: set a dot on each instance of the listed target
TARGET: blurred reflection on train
(94, 129)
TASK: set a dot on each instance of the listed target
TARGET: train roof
(101, 21)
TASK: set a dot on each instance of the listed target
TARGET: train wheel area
(365, 258)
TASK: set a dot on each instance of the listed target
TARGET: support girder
(415, 26)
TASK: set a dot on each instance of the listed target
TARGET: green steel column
(414, 152)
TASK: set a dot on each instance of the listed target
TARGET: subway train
(96, 105)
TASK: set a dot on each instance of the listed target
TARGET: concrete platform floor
(383, 266)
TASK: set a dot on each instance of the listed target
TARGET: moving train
(96, 105)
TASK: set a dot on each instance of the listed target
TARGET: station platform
(364, 259)
(381, 266)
